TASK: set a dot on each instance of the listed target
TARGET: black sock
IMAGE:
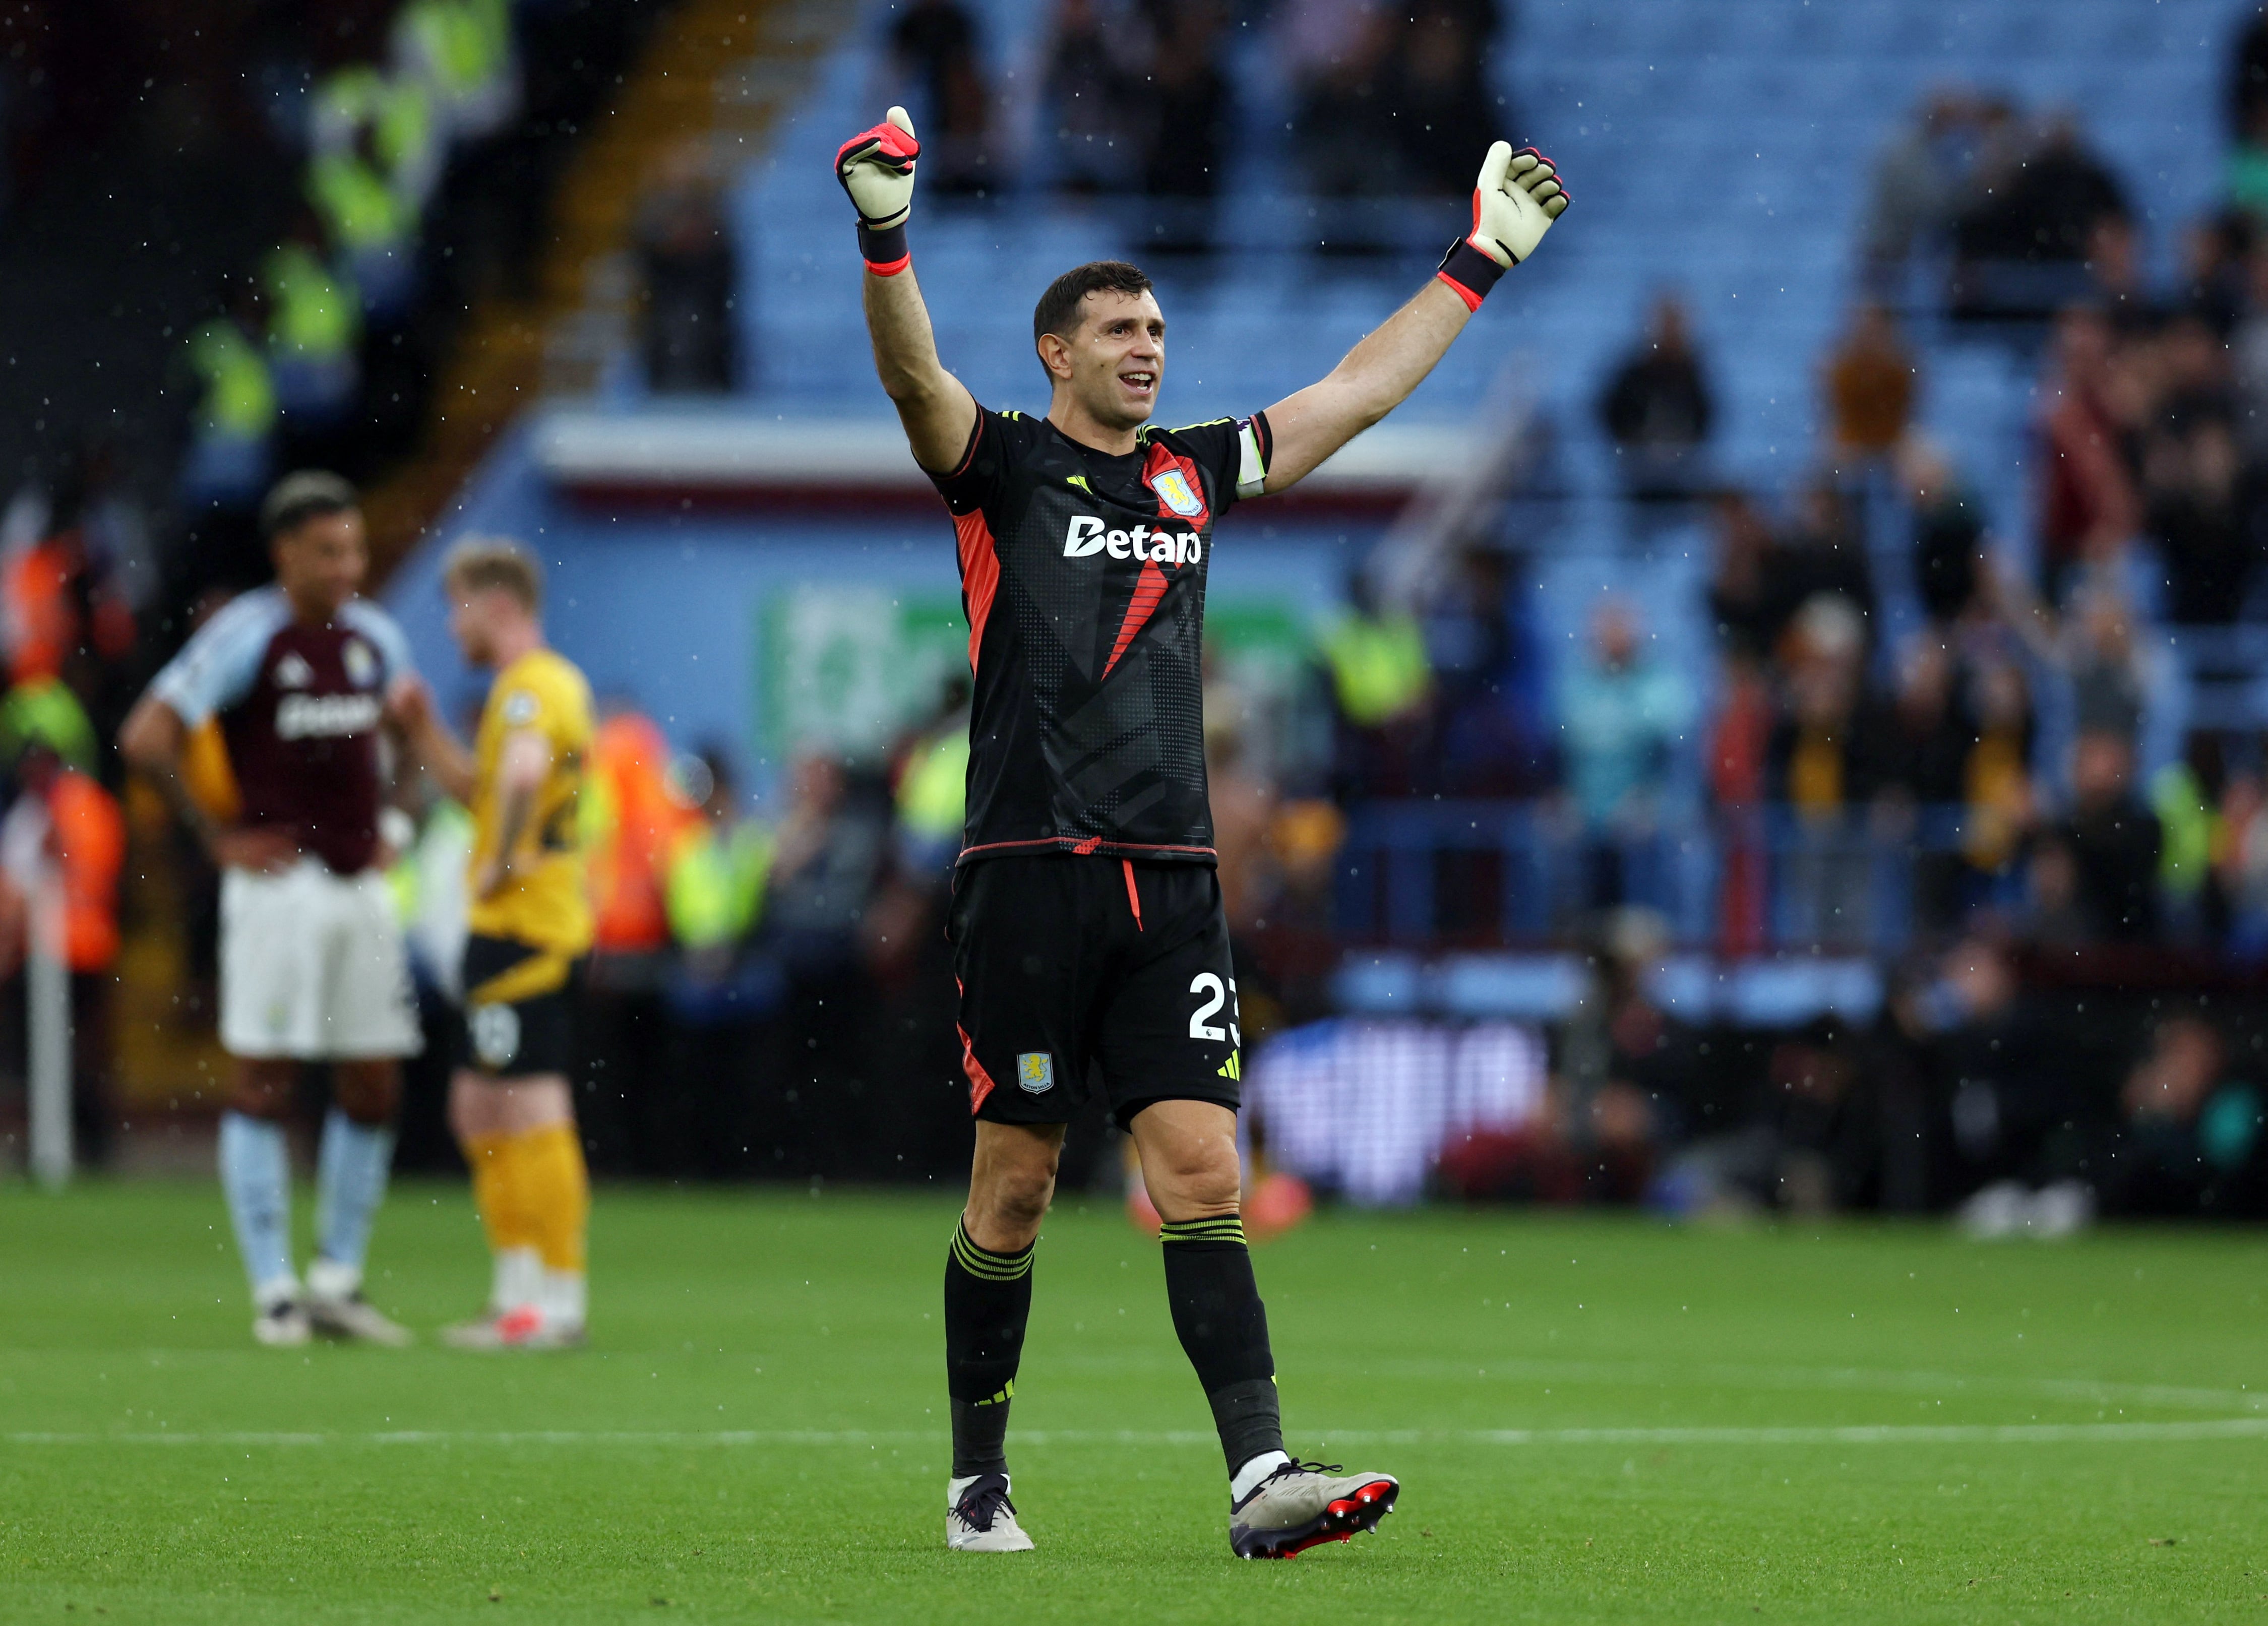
(988, 1299)
(1224, 1328)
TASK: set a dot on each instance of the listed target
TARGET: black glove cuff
(1469, 272)
(885, 248)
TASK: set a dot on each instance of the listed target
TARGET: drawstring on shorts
(1133, 898)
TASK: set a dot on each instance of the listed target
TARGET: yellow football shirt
(545, 902)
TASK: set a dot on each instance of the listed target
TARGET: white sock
(1241, 1483)
(328, 1278)
(563, 1297)
(518, 1280)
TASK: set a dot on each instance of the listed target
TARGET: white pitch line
(1855, 1434)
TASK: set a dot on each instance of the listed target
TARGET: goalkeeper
(1087, 923)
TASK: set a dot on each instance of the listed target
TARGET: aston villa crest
(1173, 489)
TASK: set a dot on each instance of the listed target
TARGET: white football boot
(979, 1518)
(336, 1309)
(283, 1324)
(1303, 1505)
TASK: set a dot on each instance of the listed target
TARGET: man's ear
(1055, 356)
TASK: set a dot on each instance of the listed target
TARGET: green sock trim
(989, 1267)
(1221, 1228)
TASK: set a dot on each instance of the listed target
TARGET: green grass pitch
(1595, 1419)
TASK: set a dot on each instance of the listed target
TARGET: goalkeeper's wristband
(1470, 273)
(885, 248)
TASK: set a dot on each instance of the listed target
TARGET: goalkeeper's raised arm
(1515, 200)
(876, 167)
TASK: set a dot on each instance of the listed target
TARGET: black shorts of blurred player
(519, 1018)
(1081, 974)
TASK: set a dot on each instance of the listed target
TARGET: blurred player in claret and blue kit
(304, 676)
(1088, 934)
(510, 1101)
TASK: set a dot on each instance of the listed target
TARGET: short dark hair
(307, 494)
(1058, 311)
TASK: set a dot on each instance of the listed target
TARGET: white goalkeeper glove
(1514, 202)
(876, 167)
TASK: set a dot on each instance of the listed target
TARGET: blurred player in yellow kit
(510, 1100)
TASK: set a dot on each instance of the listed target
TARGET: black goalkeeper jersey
(1083, 576)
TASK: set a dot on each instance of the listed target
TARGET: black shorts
(519, 1008)
(1075, 970)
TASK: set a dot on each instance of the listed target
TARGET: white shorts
(312, 967)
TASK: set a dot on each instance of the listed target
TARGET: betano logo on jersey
(1086, 536)
(325, 716)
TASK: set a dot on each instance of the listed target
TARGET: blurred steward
(231, 445)
(64, 613)
(631, 822)
(1382, 682)
(65, 825)
(721, 990)
(315, 331)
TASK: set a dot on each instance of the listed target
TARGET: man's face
(473, 616)
(319, 562)
(1116, 356)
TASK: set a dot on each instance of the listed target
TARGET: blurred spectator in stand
(1742, 600)
(717, 993)
(690, 276)
(1948, 531)
(1818, 772)
(2098, 652)
(2247, 181)
(1740, 749)
(1440, 94)
(2114, 266)
(2183, 795)
(2247, 79)
(1188, 101)
(1491, 737)
(1918, 748)
(1998, 801)
(1334, 54)
(1089, 95)
(2101, 862)
(2216, 270)
(2191, 480)
(2190, 1132)
(1870, 387)
(1619, 715)
(1657, 409)
(1918, 181)
(65, 824)
(934, 43)
(1823, 552)
(2025, 235)
(1382, 681)
(826, 862)
(2088, 505)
